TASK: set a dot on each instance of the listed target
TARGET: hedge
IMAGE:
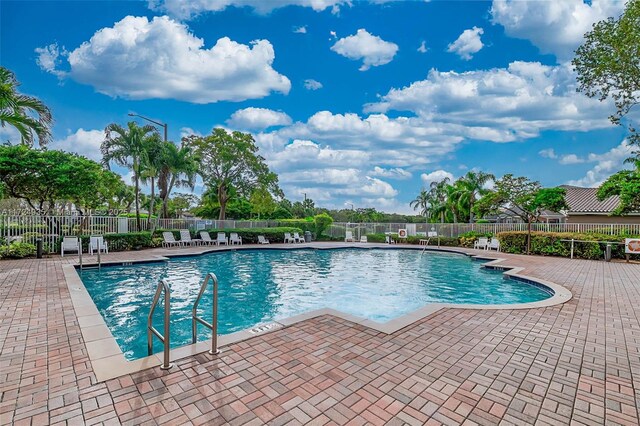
(550, 244)
(17, 250)
(415, 240)
(249, 235)
(119, 242)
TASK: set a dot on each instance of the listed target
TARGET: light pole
(163, 125)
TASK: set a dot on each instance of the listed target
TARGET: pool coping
(109, 362)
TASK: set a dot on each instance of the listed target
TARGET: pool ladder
(163, 287)
(195, 319)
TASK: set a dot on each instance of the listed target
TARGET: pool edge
(109, 363)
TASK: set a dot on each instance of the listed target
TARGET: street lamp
(163, 125)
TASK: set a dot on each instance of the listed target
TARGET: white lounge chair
(235, 239)
(297, 238)
(70, 244)
(262, 240)
(185, 238)
(170, 240)
(363, 239)
(288, 238)
(222, 239)
(389, 239)
(97, 243)
(494, 244)
(205, 238)
(348, 237)
(481, 243)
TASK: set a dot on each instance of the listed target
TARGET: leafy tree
(322, 221)
(438, 196)
(262, 203)
(179, 169)
(298, 211)
(18, 111)
(231, 160)
(626, 185)
(522, 197)
(152, 163)
(181, 203)
(471, 187)
(608, 64)
(127, 147)
(422, 202)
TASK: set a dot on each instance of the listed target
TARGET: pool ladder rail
(195, 319)
(151, 330)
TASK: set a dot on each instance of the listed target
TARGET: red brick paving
(578, 362)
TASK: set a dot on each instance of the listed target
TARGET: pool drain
(263, 328)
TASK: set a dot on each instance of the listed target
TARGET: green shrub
(551, 244)
(322, 221)
(468, 239)
(18, 250)
(250, 235)
(376, 238)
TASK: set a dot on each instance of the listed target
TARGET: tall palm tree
(127, 147)
(18, 110)
(421, 202)
(150, 168)
(438, 196)
(179, 169)
(472, 185)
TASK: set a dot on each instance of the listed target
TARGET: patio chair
(481, 243)
(348, 237)
(235, 239)
(363, 239)
(297, 238)
(169, 240)
(262, 240)
(97, 243)
(185, 237)
(222, 239)
(70, 244)
(389, 239)
(205, 238)
(494, 244)
(288, 238)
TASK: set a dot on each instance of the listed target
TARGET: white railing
(51, 229)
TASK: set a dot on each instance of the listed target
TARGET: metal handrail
(151, 330)
(195, 319)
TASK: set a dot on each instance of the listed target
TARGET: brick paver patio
(578, 362)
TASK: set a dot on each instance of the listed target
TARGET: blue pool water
(264, 285)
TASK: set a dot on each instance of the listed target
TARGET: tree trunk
(528, 235)
(165, 198)
(471, 210)
(222, 200)
(152, 202)
(137, 187)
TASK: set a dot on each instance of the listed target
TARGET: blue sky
(350, 102)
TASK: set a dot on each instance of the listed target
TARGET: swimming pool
(257, 286)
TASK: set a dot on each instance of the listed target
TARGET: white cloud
(393, 173)
(555, 27)
(257, 119)
(436, 176)
(83, 142)
(49, 57)
(500, 105)
(468, 43)
(606, 164)
(186, 9)
(305, 154)
(570, 159)
(311, 84)
(300, 30)
(371, 49)
(548, 153)
(9, 134)
(423, 47)
(161, 59)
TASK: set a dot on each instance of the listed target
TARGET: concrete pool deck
(578, 361)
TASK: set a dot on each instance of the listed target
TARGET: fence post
(572, 248)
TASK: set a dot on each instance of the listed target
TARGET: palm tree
(438, 196)
(472, 185)
(179, 169)
(127, 147)
(150, 167)
(422, 201)
(18, 110)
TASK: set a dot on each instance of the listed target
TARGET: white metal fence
(51, 229)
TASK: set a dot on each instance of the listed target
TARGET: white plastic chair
(262, 240)
(235, 239)
(481, 243)
(288, 238)
(97, 243)
(205, 238)
(297, 238)
(185, 237)
(69, 244)
(363, 239)
(222, 239)
(389, 239)
(170, 240)
(494, 244)
(348, 237)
